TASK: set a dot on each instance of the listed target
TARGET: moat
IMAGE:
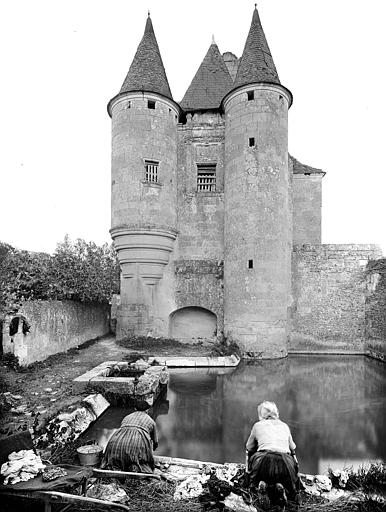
(335, 407)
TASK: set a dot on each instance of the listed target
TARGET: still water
(335, 407)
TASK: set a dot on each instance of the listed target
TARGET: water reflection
(336, 409)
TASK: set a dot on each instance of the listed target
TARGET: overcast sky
(63, 60)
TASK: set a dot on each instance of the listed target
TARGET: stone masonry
(330, 284)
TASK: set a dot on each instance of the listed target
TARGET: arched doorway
(192, 322)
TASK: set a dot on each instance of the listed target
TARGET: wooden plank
(63, 497)
(122, 474)
(188, 463)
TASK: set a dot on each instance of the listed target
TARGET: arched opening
(192, 322)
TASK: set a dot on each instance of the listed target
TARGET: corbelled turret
(144, 185)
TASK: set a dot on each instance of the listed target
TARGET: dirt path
(47, 386)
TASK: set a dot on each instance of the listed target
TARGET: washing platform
(122, 382)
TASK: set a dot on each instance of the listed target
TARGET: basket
(89, 454)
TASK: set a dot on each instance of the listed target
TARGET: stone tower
(257, 225)
(144, 184)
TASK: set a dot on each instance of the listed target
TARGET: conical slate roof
(210, 84)
(147, 72)
(256, 63)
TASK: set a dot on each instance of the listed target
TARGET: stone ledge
(327, 352)
(198, 362)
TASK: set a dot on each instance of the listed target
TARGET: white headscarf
(267, 411)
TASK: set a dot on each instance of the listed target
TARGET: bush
(10, 360)
(77, 271)
(84, 271)
(225, 347)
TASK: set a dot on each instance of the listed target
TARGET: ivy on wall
(78, 270)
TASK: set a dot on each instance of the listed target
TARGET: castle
(217, 228)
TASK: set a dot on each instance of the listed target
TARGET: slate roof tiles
(147, 72)
(210, 84)
(299, 168)
(256, 63)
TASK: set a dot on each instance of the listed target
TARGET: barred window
(206, 177)
(151, 171)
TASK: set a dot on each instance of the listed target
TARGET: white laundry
(21, 467)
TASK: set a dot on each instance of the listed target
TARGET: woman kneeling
(271, 450)
(131, 446)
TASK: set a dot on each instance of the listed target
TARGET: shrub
(10, 360)
(225, 347)
(77, 270)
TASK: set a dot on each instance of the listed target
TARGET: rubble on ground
(67, 426)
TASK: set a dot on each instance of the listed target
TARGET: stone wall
(200, 283)
(307, 208)
(54, 326)
(142, 134)
(200, 213)
(257, 226)
(376, 308)
(329, 286)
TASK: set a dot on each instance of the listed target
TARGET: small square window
(251, 95)
(250, 263)
(151, 171)
(151, 104)
(251, 142)
(206, 177)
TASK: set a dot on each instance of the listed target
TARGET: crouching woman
(131, 446)
(271, 453)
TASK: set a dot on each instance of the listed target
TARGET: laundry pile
(214, 484)
(109, 492)
(192, 487)
(21, 467)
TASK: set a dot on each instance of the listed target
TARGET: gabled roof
(210, 84)
(256, 63)
(147, 72)
(299, 168)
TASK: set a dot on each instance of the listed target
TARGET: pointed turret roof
(210, 84)
(147, 72)
(256, 63)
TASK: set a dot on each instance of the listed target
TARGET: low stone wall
(49, 327)
(329, 286)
